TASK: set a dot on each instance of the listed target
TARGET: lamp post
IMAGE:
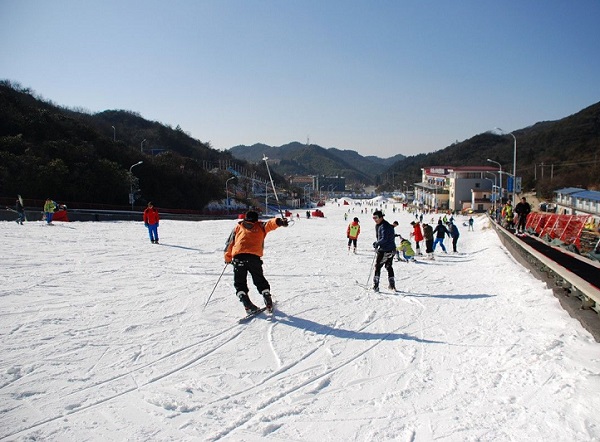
(500, 172)
(114, 133)
(495, 199)
(514, 164)
(142, 146)
(227, 191)
(131, 186)
(305, 201)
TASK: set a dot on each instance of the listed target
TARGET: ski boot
(268, 300)
(376, 284)
(392, 285)
(248, 305)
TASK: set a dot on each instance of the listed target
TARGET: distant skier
(151, 221)
(440, 234)
(352, 233)
(243, 249)
(20, 211)
(471, 222)
(386, 249)
(417, 235)
(49, 209)
(428, 234)
(455, 234)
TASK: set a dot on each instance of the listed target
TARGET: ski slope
(105, 337)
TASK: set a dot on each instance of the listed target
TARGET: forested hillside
(68, 155)
(550, 155)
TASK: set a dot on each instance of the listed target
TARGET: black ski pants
(384, 259)
(243, 264)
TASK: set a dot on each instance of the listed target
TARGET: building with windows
(458, 188)
(575, 201)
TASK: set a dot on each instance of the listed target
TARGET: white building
(458, 188)
(575, 201)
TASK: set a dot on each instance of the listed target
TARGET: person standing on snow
(428, 234)
(20, 211)
(441, 232)
(151, 220)
(244, 249)
(417, 235)
(49, 208)
(454, 233)
(386, 249)
(508, 215)
(522, 209)
(352, 233)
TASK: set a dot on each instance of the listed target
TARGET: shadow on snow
(326, 330)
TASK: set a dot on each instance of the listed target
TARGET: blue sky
(378, 77)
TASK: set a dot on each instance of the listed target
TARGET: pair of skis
(254, 313)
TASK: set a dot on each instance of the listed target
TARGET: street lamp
(500, 172)
(114, 133)
(131, 186)
(305, 201)
(496, 198)
(514, 164)
(227, 191)
(142, 145)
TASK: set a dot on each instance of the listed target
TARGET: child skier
(352, 233)
(407, 251)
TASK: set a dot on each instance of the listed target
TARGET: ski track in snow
(110, 339)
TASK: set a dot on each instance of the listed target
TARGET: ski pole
(215, 287)
(371, 270)
(265, 158)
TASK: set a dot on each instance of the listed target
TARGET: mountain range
(550, 155)
(72, 155)
(296, 158)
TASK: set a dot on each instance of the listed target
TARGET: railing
(566, 228)
(562, 278)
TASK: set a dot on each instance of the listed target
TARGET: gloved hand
(375, 245)
(146, 224)
(157, 224)
(282, 222)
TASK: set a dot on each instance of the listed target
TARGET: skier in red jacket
(151, 219)
(417, 235)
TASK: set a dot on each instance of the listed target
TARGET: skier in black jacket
(440, 233)
(522, 209)
(386, 249)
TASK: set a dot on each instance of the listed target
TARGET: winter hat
(251, 216)
(378, 213)
(355, 220)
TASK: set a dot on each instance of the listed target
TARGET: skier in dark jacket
(522, 209)
(20, 211)
(386, 248)
(454, 233)
(440, 232)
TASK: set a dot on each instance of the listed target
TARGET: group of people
(521, 211)
(48, 210)
(385, 245)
